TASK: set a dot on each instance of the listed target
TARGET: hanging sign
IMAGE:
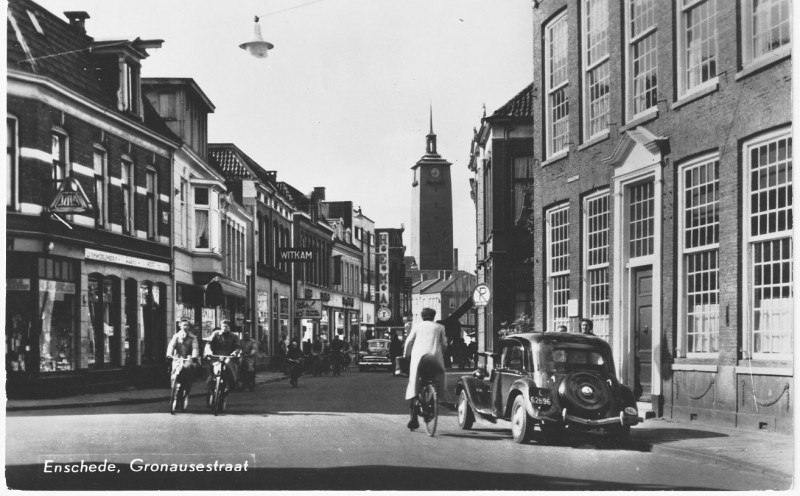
(383, 269)
(70, 198)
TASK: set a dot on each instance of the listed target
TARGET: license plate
(541, 400)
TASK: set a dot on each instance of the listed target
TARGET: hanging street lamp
(257, 47)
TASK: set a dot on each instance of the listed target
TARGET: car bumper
(375, 364)
(621, 420)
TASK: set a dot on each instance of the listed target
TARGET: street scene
(369, 245)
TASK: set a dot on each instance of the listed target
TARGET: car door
(511, 369)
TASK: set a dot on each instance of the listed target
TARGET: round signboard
(384, 314)
(481, 295)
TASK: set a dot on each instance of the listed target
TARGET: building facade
(392, 300)
(501, 161)
(88, 253)
(662, 197)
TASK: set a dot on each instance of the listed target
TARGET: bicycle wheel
(217, 397)
(174, 399)
(430, 409)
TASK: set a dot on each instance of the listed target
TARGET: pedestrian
(425, 345)
(395, 348)
(586, 327)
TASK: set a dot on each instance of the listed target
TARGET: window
(183, 232)
(522, 303)
(513, 357)
(641, 220)
(596, 67)
(128, 191)
(767, 28)
(152, 205)
(60, 157)
(642, 54)
(769, 263)
(201, 233)
(129, 87)
(100, 187)
(523, 175)
(556, 84)
(596, 229)
(12, 162)
(697, 44)
(558, 264)
(700, 246)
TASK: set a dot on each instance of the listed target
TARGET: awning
(452, 326)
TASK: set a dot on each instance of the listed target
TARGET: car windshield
(378, 345)
(560, 359)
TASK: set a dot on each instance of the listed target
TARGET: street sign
(384, 314)
(295, 255)
(481, 295)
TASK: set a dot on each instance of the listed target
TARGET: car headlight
(629, 410)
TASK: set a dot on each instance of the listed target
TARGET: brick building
(663, 197)
(89, 281)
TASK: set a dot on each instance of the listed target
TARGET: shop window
(131, 345)
(152, 322)
(104, 341)
(57, 310)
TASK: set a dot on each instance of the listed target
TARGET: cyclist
(249, 348)
(425, 344)
(183, 345)
(224, 342)
(337, 345)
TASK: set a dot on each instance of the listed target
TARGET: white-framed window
(641, 220)
(699, 256)
(128, 192)
(151, 185)
(768, 261)
(129, 92)
(60, 153)
(183, 205)
(642, 55)
(100, 166)
(556, 77)
(12, 162)
(202, 233)
(595, 68)
(596, 218)
(697, 45)
(558, 265)
(766, 29)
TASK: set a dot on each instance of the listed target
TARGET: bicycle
(218, 391)
(427, 404)
(180, 376)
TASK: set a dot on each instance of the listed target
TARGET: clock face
(384, 314)
(435, 173)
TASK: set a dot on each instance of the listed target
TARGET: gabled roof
(420, 286)
(439, 287)
(519, 106)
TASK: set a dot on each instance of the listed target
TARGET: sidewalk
(754, 451)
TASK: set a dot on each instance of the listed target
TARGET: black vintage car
(555, 380)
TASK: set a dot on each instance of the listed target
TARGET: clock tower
(432, 209)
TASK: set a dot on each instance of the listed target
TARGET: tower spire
(431, 138)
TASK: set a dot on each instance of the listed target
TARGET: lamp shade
(257, 47)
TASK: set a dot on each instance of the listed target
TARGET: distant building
(663, 197)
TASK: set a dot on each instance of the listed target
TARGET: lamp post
(257, 47)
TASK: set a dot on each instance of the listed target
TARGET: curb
(723, 461)
(121, 401)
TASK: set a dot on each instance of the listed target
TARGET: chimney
(455, 258)
(319, 193)
(77, 19)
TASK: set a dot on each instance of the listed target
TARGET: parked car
(376, 356)
(553, 380)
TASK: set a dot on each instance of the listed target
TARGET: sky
(343, 99)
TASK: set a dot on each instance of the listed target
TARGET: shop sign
(18, 284)
(383, 269)
(295, 255)
(325, 296)
(56, 289)
(308, 309)
(70, 198)
(116, 258)
(348, 301)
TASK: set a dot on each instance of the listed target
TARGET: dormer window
(129, 87)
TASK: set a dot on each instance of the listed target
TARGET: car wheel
(465, 416)
(521, 424)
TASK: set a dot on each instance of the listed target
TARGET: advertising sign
(263, 307)
(383, 269)
(209, 321)
(308, 309)
(298, 255)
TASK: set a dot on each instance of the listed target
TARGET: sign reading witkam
(295, 255)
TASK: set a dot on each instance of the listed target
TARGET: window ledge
(597, 139)
(647, 116)
(555, 159)
(747, 370)
(694, 367)
(763, 63)
(697, 94)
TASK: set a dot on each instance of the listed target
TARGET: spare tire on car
(585, 393)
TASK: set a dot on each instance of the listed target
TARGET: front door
(643, 333)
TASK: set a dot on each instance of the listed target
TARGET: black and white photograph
(416, 245)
